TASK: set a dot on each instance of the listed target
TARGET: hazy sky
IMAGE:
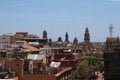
(60, 16)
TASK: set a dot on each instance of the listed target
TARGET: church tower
(44, 34)
(86, 36)
(87, 45)
(66, 37)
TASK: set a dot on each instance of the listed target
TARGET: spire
(66, 37)
(45, 34)
(86, 35)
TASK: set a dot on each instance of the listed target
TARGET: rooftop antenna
(111, 30)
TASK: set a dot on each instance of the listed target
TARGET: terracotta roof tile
(39, 77)
(31, 48)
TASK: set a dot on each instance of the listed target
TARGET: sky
(60, 16)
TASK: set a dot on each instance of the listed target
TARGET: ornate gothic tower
(86, 36)
(66, 37)
(87, 45)
(44, 34)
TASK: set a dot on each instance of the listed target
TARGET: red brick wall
(16, 65)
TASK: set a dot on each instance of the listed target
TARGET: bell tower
(66, 37)
(44, 34)
(86, 36)
(87, 44)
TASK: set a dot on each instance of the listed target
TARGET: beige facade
(5, 41)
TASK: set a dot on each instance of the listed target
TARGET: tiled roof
(63, 70)
(39, 77)
(31, 48)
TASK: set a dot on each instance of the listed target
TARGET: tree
(87, 67)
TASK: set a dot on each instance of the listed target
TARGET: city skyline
(60, 16)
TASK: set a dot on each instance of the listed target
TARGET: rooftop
(63, 70)
(31, 48)
(39, 77)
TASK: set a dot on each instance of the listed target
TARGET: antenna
(111, 30)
